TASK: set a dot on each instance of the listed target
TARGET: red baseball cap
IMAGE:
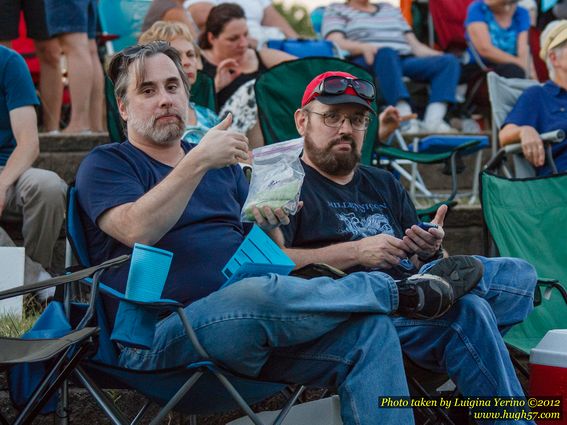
(349, 96)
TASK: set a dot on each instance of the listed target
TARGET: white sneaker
(411, 127)
(438, 127)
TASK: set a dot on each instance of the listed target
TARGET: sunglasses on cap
(336, 85)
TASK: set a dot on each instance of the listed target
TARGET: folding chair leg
(46, 388)
(176, 398)
(105, 403)
(285, 410)
(140, 414)
(478, 163)
(423, 393)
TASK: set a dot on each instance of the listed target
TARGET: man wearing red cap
(360, 219)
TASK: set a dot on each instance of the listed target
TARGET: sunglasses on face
(338, 85)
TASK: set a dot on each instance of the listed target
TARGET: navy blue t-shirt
(373, 202)
(204, 238)
(545, 109)
(16, 90)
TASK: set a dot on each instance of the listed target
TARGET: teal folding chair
(525, 219)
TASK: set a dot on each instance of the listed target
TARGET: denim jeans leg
(441, 72)
(466, 344)
(388, 75)
(240, 325)
(361, 358)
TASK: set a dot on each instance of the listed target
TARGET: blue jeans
(338, 333)
(441, 72)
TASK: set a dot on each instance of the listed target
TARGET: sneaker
(463, 273)
(424, 296)
(412, 126)
(438, 127)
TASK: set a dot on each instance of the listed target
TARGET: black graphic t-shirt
(373, 202)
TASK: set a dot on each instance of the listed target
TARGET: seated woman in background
(235, 67)
(201, 119)
(498, 33)
(264, 20)
(379, 39)
(169, 10)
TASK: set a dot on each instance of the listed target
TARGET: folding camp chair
(202, 93)
(210, 384)
(504, 93)
(525, 218)
(122, 18)
(58, 350)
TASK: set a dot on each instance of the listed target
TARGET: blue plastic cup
(134, 325)
(149, 268)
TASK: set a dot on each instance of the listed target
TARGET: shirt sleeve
(106, 180)
(333, 20)
(474, 14)
(523, 19)
(523, 111)
(18, 84)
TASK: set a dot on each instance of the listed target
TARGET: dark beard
(334, 164)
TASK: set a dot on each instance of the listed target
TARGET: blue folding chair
(213, 389)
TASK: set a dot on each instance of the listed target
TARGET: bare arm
(24, 126)
(354, 47)
(480, 39)
(524, 52)
(418, 48)
(528, 137)
(149, 218)
(200, 11)
(272, 18)
(178, 14)
(272, 57)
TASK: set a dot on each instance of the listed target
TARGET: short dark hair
(218, 17)
(119, 67)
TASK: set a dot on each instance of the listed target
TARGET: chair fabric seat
(15, 350)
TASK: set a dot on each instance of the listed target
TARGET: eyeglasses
(358, 122)
(337, 85)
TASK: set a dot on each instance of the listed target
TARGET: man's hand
(532, 146)
(268, 219)
(221, 147)
(369, 53)
(381, 251)
(228, 70)
(425, 243)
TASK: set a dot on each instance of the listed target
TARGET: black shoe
(463, 273)
(424, 296)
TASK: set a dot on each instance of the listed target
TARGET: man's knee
(44, 186)
(49, 52)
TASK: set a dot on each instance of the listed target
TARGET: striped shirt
(385, 27)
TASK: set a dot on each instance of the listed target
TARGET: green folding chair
(526, 219)
(202, 93)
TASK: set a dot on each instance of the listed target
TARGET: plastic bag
(277, 176)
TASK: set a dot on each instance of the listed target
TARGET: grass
(12, 325)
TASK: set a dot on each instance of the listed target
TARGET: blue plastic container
(148, 272)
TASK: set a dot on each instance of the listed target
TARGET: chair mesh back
(279, 92)
(526, 218)
(503, 94)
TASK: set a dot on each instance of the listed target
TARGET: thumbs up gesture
(222, 147)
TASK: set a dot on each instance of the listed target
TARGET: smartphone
(427, 226)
